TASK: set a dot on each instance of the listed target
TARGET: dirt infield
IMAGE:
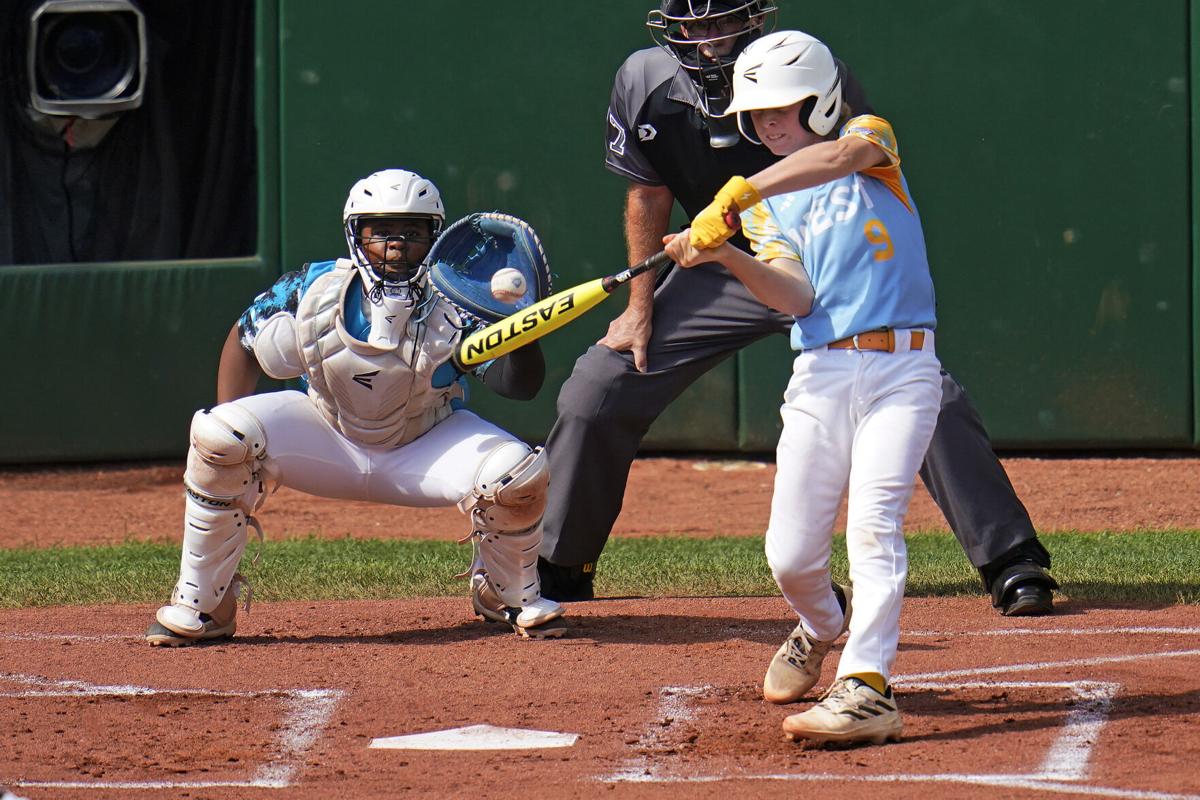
(663, 693)
(666, 496)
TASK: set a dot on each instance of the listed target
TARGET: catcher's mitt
(469, 252)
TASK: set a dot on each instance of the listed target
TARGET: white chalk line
(1124, 631)
(672, 705)
(1067, 759)
(1074, 662)
(1004, 781)
(306, 713)
(1130, 631)
(75, 637)
(69, 688)
(142, 785)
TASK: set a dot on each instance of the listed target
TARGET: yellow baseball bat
(532, 323)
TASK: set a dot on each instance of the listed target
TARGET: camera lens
(87, 55)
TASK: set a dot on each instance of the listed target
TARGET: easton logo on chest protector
(364, 379)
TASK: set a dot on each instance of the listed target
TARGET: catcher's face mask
(392, 248)
(472, 250)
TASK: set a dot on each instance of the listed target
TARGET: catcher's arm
(518, 375)
(238, 371)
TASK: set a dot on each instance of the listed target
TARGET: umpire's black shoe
(1028, 600)
(1024, 589)
(566, 584)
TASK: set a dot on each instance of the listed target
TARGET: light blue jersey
(860, 241)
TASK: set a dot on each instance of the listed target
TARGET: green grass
(1158, 567)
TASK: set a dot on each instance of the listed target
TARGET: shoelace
(252, 522)
(840, 694)
(798, 649)
(837, 696)
(239, 583)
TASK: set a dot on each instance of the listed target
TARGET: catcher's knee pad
(227, 448)
(222, 489)
(506, 507)
(510, 489)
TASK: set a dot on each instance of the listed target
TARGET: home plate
(477, 737)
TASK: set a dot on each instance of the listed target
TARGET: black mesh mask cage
(377, 273)
(729, 25)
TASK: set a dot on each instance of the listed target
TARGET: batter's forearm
(817, 164)
(782, 284)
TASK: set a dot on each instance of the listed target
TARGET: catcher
(372, 339)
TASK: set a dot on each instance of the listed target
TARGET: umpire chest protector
(373, 395)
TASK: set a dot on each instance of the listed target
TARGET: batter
(840, 247)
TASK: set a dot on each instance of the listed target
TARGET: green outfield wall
(1048, 146)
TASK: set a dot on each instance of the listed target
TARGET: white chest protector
(375, 395)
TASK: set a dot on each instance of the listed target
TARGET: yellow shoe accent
(872, 679)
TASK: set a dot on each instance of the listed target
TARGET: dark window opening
(127, 133)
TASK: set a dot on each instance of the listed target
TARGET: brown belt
(877, 340)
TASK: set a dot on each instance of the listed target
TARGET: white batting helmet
(783, 68)
(390, 193)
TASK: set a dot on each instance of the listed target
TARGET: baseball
(508, 285)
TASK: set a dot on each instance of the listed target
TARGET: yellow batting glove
(712, 227)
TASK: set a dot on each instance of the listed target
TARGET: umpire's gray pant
(701, 317)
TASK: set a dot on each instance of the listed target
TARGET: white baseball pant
(857, 420)
(305, 453)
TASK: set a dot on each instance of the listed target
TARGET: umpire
(664, 137)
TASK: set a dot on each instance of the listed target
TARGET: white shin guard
(222, 487)
(213, 542)
(510, 560)
(505, 508)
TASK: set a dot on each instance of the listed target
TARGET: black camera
(87, 58)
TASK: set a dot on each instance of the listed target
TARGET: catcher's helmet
(473, 249)
(706, 36)
(783, 68)
(391, 194)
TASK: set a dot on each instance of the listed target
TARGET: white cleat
(177, 626)
(796, 667)
(850, 712)
(541, 619)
